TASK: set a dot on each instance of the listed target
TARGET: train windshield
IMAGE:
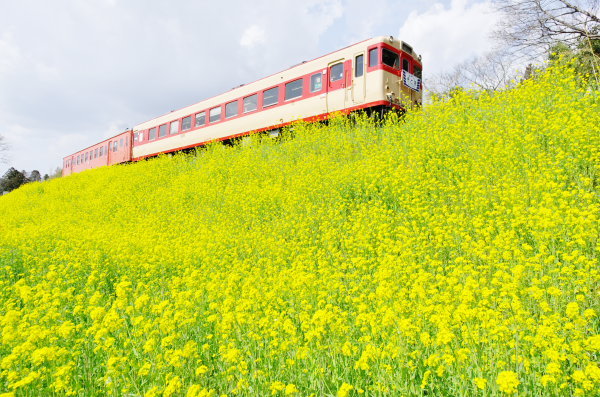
(390, 58)
(418, 72)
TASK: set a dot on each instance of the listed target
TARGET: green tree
(35, 176)
(12, 179)
(585, 58)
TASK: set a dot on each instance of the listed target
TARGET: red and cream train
(374, 74)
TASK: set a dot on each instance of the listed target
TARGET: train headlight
(391, 96)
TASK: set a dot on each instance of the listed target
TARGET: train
(373, 75)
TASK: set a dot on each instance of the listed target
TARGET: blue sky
(74, 72)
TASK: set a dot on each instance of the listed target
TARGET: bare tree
(3, 149)
(490, 72)
(532, 27)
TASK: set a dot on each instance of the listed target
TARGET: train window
(359, 65)
(293, 89)
(374, 57)
(271, 97)
(418, 72)
(96, 153)
(250, 103)
(101, 151)
(77, 161)
(186, 123)
(162, 131)
(121, 142)
(200, 119)
(87, 158)
(336, 72)
(390, 58)
(115, 146)
(174, 129)
(152, 134)
(405, 65)
(231, 109)
(316, 82)
(214, 114)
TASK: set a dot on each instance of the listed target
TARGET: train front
(401, 72)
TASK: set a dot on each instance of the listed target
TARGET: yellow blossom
(508, 382)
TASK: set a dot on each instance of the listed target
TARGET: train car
(380, 72)
(375, 74)
(114, 150)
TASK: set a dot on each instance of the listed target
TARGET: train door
(108, 153)
(338, 79)
(359, 86)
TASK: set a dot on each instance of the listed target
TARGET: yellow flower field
(453, 253)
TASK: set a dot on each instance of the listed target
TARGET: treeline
(13, 178)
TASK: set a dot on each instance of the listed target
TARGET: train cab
(397, 70)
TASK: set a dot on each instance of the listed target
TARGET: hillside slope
(453, 253)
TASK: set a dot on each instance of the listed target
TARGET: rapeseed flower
(408, 257)
(508, 382)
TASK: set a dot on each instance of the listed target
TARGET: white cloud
(9, 54)
(446, 36)
(253, 36)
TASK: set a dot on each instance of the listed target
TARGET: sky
(75, 72)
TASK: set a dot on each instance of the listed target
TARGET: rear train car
(111, 151)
